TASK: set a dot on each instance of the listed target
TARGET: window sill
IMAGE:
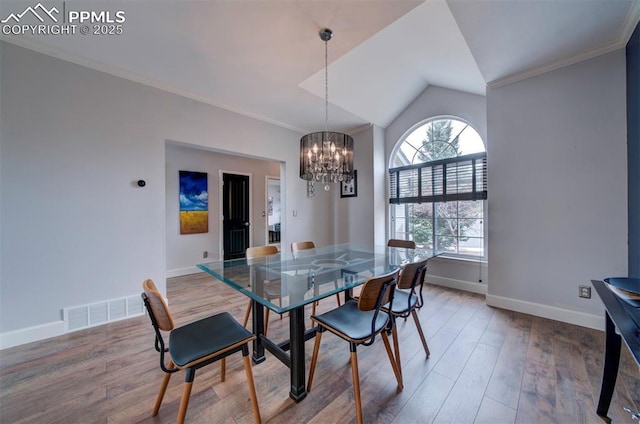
(450, 258)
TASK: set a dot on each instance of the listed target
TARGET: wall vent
(98, 313)
(118, 309)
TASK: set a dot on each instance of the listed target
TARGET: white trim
(546, 311)
(626, 31)
(266, 206)
(469, 286)
(359, 129)
(179, 272)
(501, 82)
(31, 334)
(445, 257)
(633, 18)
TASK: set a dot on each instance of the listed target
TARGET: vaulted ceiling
(264, 58)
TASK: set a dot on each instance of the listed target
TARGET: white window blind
(458, 178)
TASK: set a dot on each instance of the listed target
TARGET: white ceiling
(264, 58)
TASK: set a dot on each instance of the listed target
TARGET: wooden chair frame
(162, 321)
(375, 293)
(407, 244)
(411, 277)
(258, 252)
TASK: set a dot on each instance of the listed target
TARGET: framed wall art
(350, 189)
(194, 202)
(311, 189)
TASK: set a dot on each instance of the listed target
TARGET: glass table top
(286, 281)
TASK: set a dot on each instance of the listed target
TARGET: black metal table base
(290, 352)
(612, 345)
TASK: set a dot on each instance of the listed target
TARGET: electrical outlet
(205, 254)
(584, 291)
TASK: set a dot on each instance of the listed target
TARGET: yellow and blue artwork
(194, 202)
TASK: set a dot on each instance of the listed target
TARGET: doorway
(273, 210)
(235, 215)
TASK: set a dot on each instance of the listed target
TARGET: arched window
(437, 188)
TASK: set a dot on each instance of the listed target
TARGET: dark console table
(619, 314)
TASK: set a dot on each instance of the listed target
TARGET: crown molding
(118, 72)
(570, 60)
(633, 16)
(359, 129)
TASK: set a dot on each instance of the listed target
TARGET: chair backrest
(255, 255)
(412, 274)
(377, 291)
(258, 251)
(148, 285)
(407, 244)
(302, 245)
(156, 306)
(160, 317)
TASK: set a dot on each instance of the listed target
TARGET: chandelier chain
(326, 156)
(326, 86)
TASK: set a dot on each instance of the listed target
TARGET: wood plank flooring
(487, 366)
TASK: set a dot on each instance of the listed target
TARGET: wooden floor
(487, 366)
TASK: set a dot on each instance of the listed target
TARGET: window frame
(479, 195)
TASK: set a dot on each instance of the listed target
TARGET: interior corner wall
(557, 188)
(185, 251)
(354, 216)
(633, 149)
(380, 189)
(74, 226)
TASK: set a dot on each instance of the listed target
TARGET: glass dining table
(287, 282)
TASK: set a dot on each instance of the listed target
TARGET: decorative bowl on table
(626, 288)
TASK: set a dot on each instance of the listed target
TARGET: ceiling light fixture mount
(326, 156)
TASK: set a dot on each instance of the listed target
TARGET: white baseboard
(179, 272)
(469, 286)
(545, 311)
(57, 328)
(31, 334)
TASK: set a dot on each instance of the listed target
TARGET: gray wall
(184, 251)
(74, 227)
(355, 216)
(558, 188)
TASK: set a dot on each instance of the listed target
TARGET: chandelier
(326, 156)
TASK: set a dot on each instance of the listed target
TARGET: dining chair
(408, 298)
(272, 288)
(298, 246)
(359, 322)
(194, 345)
(407, 244)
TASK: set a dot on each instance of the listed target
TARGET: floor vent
(91, 315)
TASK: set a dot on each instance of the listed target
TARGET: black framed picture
(350, 189)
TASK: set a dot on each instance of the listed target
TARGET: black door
(235, 215)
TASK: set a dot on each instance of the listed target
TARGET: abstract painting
(194, 202)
